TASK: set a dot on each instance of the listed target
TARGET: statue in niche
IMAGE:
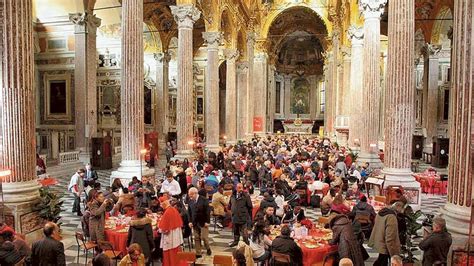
(300, 96)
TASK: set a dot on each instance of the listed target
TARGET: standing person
(90, 176)
(40, 165)
(49, 250)
(241, 209)
(171, 233)
(199, 219)
(141, 232)
(97, 208)
(76, 186)
(170, 185)
(343, 236)
(144, 193)
(436, 245)
(384, 237)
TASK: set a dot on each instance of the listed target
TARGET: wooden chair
(21, 262)
(81, 242)
(330, 258)
(223, 260)
(281, 258)
(109, 251)
(188, 257)
(380, 198)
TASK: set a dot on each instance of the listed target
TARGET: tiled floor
(218, 239)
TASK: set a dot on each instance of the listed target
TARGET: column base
(457, 221)
(373, 160)
(130, 168)
(183, 154)
(402, 177)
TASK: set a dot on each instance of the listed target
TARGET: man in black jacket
(286, 245)
(199, 219)
(241, 208)
(436, 245)
(48, 251)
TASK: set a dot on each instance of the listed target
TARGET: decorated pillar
(231, 96)
(355, 120)
(457, 210)
(271, 92)
(372, 10)
(132, 95)
(332, 89)
(242, 75)
(250, 82)
(400, 96)
(260, 93)
(185, 16)
(85, 76)
(430, 94)
(343, 100)
(213, 40)
(17, 114)
(162, 89)
(287, 98)
(329, 75)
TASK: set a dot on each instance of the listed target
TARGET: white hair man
(436, 245)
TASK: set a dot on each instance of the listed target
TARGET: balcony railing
(68, 157)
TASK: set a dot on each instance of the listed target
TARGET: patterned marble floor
(218, 239)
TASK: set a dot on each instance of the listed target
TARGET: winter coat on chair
(141, 232)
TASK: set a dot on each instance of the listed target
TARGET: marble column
(355, 120)
(17, 111)
(231, 96)
(343, 100)
(242, 75)
(259, 99)
(372, 10)
(287, 91)
(162, 90)
(251, 37)
(331, 83)
(85, 80)
(430, 94)
(132, 95)
(213, 40)
(271, 99)
(457, 210)
(400, 95)
(185, 16)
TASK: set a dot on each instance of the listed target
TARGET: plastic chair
(188, 257)
(223, 260)
(109, 251)
(81, 242)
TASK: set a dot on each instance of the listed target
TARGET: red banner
(258, 124)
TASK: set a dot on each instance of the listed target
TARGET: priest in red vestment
(171, 233)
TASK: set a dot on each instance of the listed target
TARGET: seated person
(327, 201)
(290, 216)
(336, 179)
(267, 201)
(339, 205)
(260, 243)
(301, 218)
(354, 193)
(211, 183)
(270, 218)
(125, 203)
(248, 187)
(117, 184)
(280, 202)
(134, 184)
(9, 255)
(301, 183)
(219, 203)
(284, 244)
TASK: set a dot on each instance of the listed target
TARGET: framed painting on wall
(57, 97)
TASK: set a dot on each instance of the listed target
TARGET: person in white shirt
(171, 186)
(76, 186)
(280, 201)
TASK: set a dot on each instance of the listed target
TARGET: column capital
(346, 53)
(213, 39)
(430, 50)
(356, 34)
(85, 22)
(251, 37)
(260, 57)
(185, 15)
(372, 9)
(231, 54)
(242, 66)
(162, 57)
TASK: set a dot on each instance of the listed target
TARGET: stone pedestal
(372, 10)
(430, 94)
(242, 74)
(85, 85)
(213, 40)
(185, 16)
(161, 110)
(461, 121)
(400, 96)
(355, 120)
(17, 117)
(231, 97)
(132, 98)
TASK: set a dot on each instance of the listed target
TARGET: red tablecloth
(428, 181)
(118, 239)
(48, 182)
(316, 255)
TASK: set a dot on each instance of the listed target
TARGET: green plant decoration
(50, 205)
(412, 231)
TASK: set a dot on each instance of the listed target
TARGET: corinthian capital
(372, 8)
(185, 15)
(242, 66)
(212, 38)
(85, 22)
(251, 37)
(164, 57)
(231, 54)
(430, 50)
(356, 34)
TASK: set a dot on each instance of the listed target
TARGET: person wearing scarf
(171, 235)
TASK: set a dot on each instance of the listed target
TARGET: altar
(298, 127)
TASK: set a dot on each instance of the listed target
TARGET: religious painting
(147, 106)
(299, 97)
(199, 106)
(30, 222)
(57, 97)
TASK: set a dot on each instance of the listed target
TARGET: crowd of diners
(287, 173)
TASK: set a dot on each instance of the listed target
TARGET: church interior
(105, 82)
